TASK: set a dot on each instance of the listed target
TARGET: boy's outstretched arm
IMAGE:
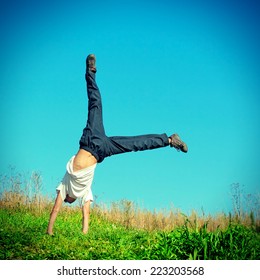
(85, 216)
(54, 213)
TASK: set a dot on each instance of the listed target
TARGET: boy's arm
(85, 216)
(54, 213)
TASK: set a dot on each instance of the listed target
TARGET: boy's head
(69, 199)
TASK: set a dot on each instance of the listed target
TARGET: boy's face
(69, 199)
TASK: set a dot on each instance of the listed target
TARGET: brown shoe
(178, 144)
(91, 63)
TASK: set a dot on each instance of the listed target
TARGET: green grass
(22, 236)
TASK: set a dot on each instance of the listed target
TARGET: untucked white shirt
(77, 184)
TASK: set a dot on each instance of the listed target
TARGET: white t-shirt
(77, 184)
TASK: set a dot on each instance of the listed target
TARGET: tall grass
(22, 192)
(121, 230)
(129, 214)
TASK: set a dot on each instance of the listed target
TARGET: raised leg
(123, 144)
(94, 133)
(94, 139)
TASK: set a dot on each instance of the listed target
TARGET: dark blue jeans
(94, 138)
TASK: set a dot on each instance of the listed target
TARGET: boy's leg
(94, 139)
(95, 118)
(123, 144)
(93, 135)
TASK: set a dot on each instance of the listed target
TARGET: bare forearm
(53, 217)
(85, 217)
(54, 214)
(85, 224)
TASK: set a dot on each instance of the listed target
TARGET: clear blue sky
(190, 67)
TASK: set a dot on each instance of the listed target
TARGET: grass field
(121, 231)
(22, 236)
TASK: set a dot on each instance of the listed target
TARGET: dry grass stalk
(16, 192)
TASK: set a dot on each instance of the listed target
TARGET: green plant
(122, 231)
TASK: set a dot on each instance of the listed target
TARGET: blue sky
(163, 66)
